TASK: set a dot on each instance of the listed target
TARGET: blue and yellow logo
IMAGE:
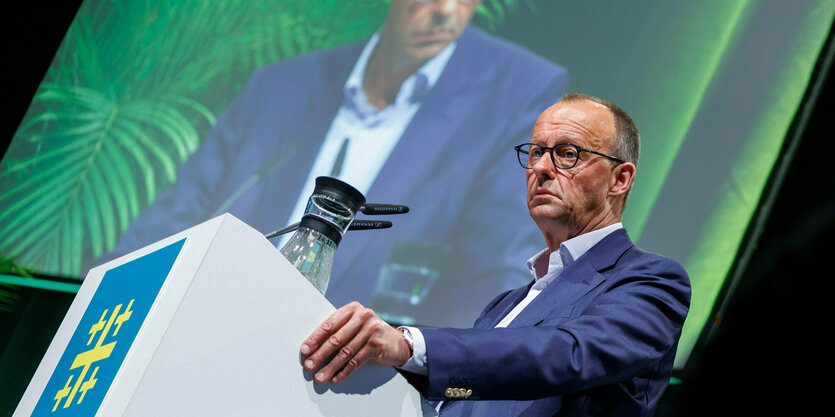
(85, 360)
(104, 335)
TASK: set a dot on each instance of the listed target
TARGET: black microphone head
(375, 208)
(369, 224)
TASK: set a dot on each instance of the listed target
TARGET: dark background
(767, 354)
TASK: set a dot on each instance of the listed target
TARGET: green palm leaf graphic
(82, 187)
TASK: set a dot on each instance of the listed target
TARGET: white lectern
(207, 322)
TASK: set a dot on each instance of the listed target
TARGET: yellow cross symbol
(85, 360)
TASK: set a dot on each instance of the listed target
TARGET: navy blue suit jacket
(600, 340)
(454, 166)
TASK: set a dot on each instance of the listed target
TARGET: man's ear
(621, 180)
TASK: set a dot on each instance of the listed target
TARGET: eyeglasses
(564, 155)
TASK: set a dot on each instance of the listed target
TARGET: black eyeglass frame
(550, 150)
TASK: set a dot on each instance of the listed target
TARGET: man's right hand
(348, 339)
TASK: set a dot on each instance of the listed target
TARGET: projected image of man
(420, 114)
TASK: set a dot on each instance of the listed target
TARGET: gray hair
(626, 144)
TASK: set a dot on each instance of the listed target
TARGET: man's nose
(544, 167)
(446, 7)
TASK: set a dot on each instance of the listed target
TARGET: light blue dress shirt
(371, 134)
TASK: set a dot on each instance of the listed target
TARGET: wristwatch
(407, 336)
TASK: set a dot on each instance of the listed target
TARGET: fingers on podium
(339, 338)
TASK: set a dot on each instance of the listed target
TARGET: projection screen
(157, 115)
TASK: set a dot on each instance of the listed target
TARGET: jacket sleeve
(624, 328)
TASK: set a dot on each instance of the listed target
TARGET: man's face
(423, 28)
(567, 202)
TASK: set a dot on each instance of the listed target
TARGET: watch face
(407, 336)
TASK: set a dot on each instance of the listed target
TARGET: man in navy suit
(595, 332)
(422, 115)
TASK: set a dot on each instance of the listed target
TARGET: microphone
(283, 230)
(383, 209)
(369, 224)
(355, 225)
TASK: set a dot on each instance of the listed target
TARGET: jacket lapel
(416, 155)
(500, 310)
(576, 280)
(330, 71)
